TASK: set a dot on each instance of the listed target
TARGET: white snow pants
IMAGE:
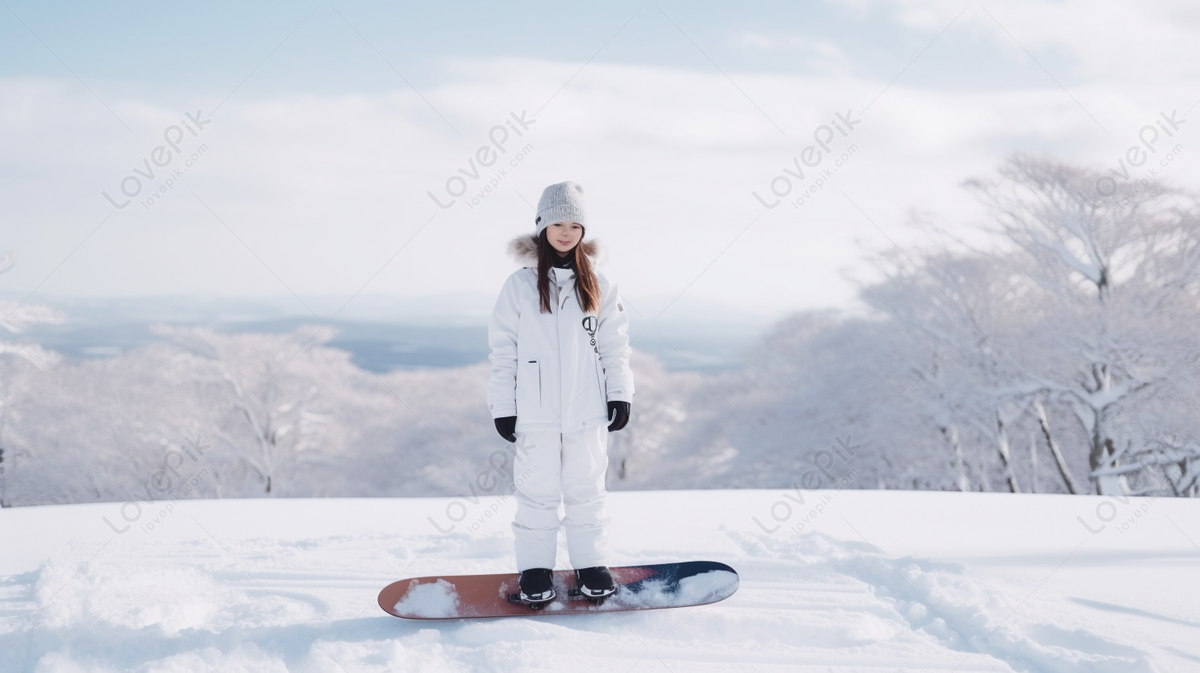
(569, 466)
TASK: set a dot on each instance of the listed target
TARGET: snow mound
(432, 600)
(964, 613)
(702, 588)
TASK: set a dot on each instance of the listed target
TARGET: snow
(696, 589)
(829, 581)
(430, 600)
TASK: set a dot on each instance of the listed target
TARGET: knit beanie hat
(562, 202)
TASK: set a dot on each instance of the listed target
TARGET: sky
(318, 152)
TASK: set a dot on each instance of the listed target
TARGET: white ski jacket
(556, 371)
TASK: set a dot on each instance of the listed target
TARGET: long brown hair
(587, 289)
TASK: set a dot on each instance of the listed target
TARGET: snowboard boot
(594, 584)
(537, 587)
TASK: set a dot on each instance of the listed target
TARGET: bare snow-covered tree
(1124, 275)
(274, 416)
(967, 386)
(1077, 305)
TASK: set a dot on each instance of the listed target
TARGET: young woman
(560, 382)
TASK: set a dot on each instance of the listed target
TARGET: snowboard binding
(536, 588)
(594, 600)
(594, 584)
(519, 599)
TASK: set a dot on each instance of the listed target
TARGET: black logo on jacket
(589, 325)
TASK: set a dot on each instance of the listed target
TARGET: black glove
(507, 426)
(618, 412)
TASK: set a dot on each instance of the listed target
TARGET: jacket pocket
(529, 387)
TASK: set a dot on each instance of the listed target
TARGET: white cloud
(815, 55)
(1108, 41)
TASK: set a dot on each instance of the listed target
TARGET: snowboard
(647, 587)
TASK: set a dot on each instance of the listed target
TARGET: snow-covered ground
(845, 581)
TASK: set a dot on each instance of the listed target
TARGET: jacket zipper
(599, 384)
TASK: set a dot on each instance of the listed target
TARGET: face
(564, 235)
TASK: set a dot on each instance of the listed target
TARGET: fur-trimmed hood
(523, 249)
